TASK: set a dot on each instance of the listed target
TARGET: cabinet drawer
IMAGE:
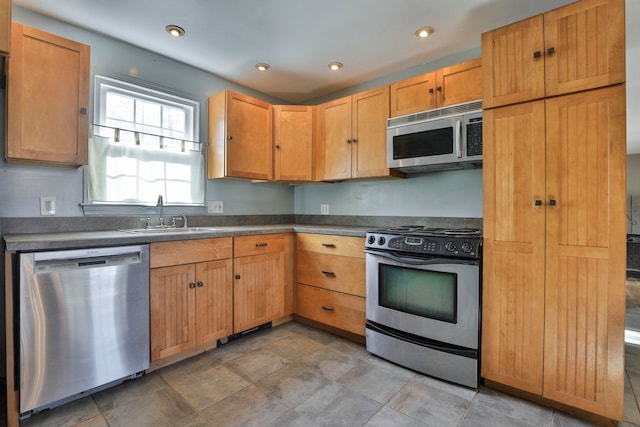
(338, 273)
(330, 244)
(260, 244)
(335, 309)
(189, 251)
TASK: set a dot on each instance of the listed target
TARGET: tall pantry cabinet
(554, 181)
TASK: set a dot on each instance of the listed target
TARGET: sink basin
(165, 230)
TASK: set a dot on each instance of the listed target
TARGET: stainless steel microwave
(440, 139)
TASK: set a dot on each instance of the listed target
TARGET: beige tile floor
(294, 375)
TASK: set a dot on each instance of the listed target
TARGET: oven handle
(419, 261)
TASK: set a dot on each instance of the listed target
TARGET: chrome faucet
(161, 205)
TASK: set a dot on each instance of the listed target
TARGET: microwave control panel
(474, 137)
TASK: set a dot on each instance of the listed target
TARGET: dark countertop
(83, 239)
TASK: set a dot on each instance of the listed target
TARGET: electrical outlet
(324, 209)
(215, 207)
(47, 205)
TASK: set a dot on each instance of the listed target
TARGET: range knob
(371, 240)
(451, 246)
(467, 247)
(381, 240)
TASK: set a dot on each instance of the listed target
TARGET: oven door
(433, 298)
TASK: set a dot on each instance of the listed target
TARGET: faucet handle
(184, 218)
(147, 222)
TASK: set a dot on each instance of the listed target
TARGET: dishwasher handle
(48, 262)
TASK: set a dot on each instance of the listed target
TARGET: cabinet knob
(192, 285)
(354, 140)
(348, 141)
(229, 138)
(438, 88)
(277, 146)
(430, 90)
(537, 54)
(200, 284)
(552, 202)
(327, 308)
(83, 111)
(237, 277)
(551, 51)
(538, 202)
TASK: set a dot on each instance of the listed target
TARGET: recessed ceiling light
(174, 30)
(262, 66)
(335, 66)
(424, 32)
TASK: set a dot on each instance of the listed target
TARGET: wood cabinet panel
(5, 26)
(172, 302)
(258, 290)
(513, 255)
(334, 139)
(47, 96)
(257, 244)
(293, 132)
(331, 244)
(333, 272)
(589, 46)
(214, 300)
(511, 72)
(370, 111)
(585, 246)
(189, 251)
(336, 309)
(413, 95)
(240, 137)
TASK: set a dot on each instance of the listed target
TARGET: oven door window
(424, 293)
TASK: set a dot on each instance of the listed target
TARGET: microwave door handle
(459, 138)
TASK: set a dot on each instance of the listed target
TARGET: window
(144, 145)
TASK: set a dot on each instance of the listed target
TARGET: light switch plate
(47, 205)
(324, 209)
(215, 207)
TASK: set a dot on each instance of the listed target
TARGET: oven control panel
(464, 247)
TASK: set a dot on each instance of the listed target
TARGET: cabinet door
(249, 140)
(258, 295)
(512, 71)
(585, 240)
(334, 139)
(293, 142)
(47, 95)
(369, 143)
(214, 300)
(413, 95)
(513, 253)
(459, 83)
(5, 26)
(172, 298)
(588, 42)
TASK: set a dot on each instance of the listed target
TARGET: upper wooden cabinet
(293, 130)
(352, 136)
(5, 26)
(447, 86)
(576, 47)
(240, 138)
(47, 97)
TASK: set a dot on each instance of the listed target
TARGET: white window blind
(143, 145)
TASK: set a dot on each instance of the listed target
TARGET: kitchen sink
(166, 230)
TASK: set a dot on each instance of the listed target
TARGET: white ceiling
(298, 38)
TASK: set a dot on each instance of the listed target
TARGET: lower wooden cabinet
(262, 279)
(191, 303)
(330, 280)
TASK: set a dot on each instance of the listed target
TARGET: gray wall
(633, 194)
(455, 193)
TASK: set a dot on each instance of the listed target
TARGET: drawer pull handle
(328, 245)
(327, 308)
(261, 245)
(328, 273)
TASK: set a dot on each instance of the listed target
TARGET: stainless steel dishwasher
(84, 322)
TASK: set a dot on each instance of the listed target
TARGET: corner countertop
(84, 239)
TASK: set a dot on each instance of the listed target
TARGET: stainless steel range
(423, 300)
